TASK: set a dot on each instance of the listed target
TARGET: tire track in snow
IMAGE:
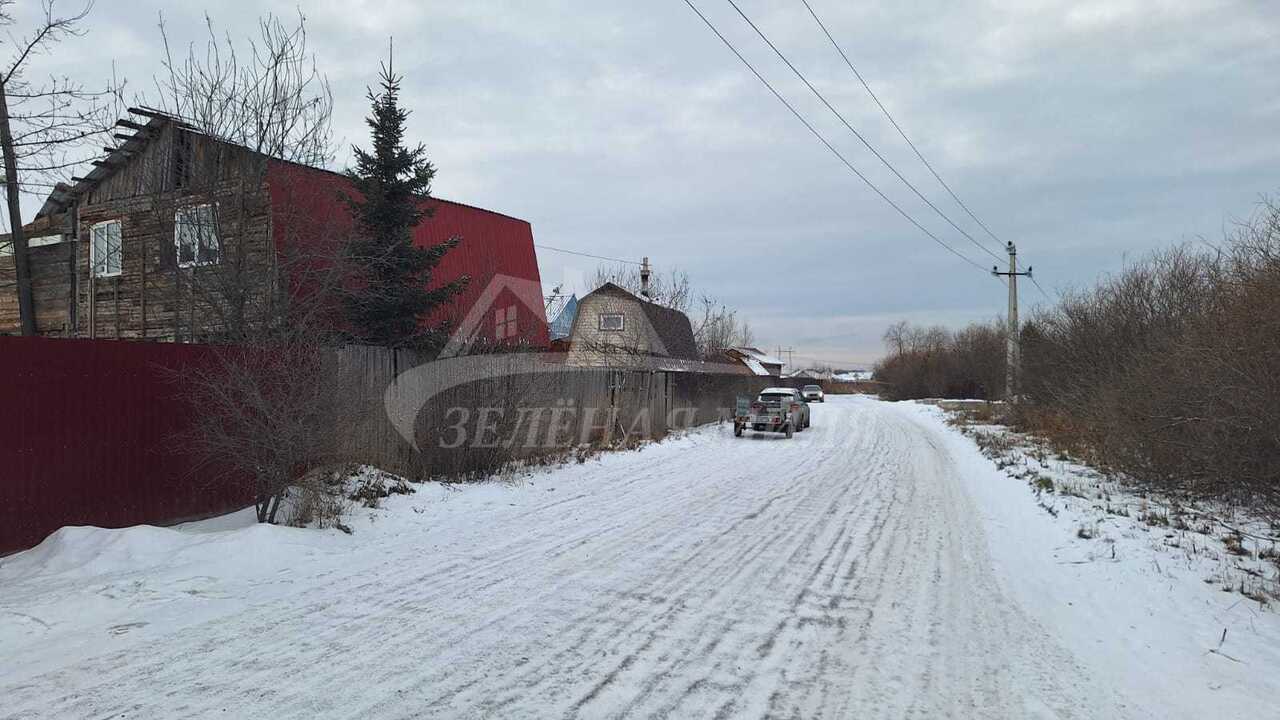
(839, 574)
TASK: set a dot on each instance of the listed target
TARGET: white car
(812, 393)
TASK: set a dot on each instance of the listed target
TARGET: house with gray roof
(613, 327)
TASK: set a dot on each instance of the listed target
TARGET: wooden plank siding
(281, 225)
(153, 297)
(52, 267)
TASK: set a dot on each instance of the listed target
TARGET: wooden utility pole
(1013, 345)
(21, 263)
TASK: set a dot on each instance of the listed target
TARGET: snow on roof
(755, 365)
(760, 355)
(787, 391)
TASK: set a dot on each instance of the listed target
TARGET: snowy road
(841, 574)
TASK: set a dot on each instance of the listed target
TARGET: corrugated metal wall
(88, 432)
(308, 205)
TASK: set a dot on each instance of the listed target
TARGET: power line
(582, 254)
(1037, 284)
(859, 135)
(825, 142)
(897, 127)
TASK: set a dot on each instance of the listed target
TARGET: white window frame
(177, 238)
(622, 322)
(106, 271)
(6, 247)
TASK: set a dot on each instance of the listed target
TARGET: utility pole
(1013, 349)
(788, 351)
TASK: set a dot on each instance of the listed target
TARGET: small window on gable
(105, 249)
(504, 323)
(612, 322)
(195, 235)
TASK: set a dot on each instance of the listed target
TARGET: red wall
(307, 206)
(89, 435)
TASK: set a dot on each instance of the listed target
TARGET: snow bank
(1124, 601)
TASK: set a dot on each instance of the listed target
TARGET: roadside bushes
(936, 362)
(1167, 373)
(1170, 371)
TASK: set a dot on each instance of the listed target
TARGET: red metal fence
(90, 435)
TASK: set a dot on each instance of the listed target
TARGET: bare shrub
(1169, 372)
(269, 417)
(934, 362)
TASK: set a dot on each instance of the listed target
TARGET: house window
(195, 235)
(612, 322)
(504, 322)
(105, 251)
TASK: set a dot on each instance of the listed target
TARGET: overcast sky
(1087, 131)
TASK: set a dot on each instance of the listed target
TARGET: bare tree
(268, 97)
(249, 107)
(935, 362)
(719, 329)
(746, 336)
(671, 290)
(46, 127)
(269, 416)
(271, 399)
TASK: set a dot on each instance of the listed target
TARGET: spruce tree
(389, 294)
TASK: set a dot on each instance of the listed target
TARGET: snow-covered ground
(876, 565)
(854, 375)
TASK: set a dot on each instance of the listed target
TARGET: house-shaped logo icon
(509, 311)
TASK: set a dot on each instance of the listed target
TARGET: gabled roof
(671, 326)
(62, 194)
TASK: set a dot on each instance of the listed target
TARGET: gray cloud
(1088, 132)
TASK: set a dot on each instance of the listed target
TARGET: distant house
(179, 236)
(811, 374)
(757, 361)
(562, 325)
(614, 327)
(853, 376)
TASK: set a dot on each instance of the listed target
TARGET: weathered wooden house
(178, 236)
(613, 327)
